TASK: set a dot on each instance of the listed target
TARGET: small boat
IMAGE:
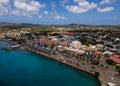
(15, 46)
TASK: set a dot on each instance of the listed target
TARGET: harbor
(90, 69)
(89, 52)
(24, 68)
(59, 43)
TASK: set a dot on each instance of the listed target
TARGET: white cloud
(40, 17)
(27, 7)
(107, 2)
(21, 13)
(106, 9)
(64, 2)
(59, 17)
(54, 14)
(3, 10)
(4, 7)
(4, 2)
(81, 7)
(53, 4)
(45, 12)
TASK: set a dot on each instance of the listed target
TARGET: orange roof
(98, 52)
(116, 58)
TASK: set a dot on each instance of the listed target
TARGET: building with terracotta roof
(98, 52)
(116, 58)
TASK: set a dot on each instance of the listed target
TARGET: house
(107, 53)
(98, 52)
(75, 44)
(116, 58)
(99, 46)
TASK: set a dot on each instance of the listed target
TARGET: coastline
(55, 58)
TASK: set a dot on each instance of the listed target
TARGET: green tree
(110, 62)
(117, 68)
(95, 62)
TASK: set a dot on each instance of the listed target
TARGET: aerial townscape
(59, 42)
(91, 49)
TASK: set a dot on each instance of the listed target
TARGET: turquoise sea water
(24, 68)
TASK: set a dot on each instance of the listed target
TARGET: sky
(90, 12)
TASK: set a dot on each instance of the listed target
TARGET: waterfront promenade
(105, 75)
(24, 68)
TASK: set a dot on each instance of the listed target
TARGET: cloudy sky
(95, 12)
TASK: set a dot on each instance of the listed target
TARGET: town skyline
(88, 12)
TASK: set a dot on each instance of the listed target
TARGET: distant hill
(72, 26)
(16, 25)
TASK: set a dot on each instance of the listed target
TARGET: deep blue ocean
(23, 68)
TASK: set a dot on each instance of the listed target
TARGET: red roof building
(98, 52)
(116, 59)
